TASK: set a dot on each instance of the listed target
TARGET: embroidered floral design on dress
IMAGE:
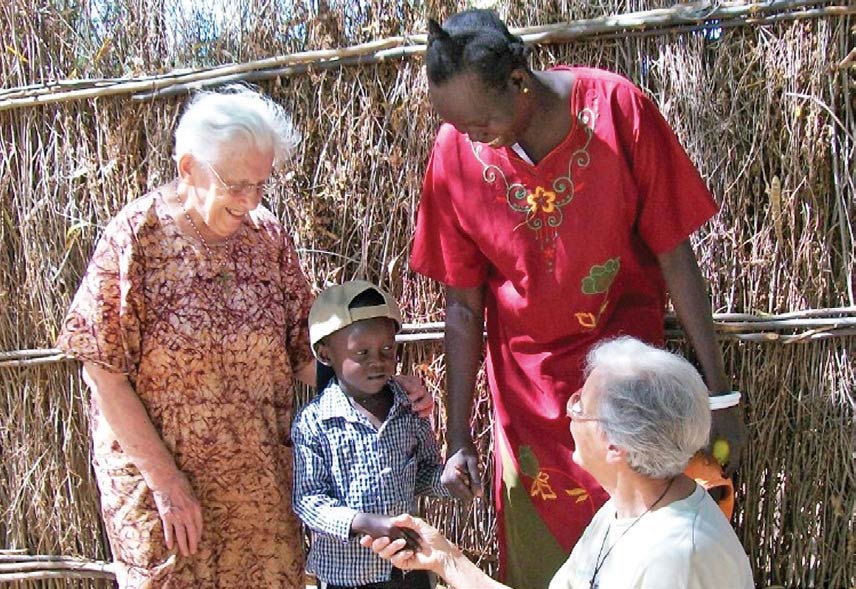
(545, 489)
(578, 492)
(541, 199)
(543, 205)
(542, 487)
(598, 281)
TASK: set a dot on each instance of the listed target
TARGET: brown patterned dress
(210, 340)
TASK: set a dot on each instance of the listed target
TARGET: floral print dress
(210, 338)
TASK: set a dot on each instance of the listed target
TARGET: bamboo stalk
(115, 86)
(257, 76)
(403, 46)
(784, 316)
(815, 335)
(664, 18)
(156, 81)
(412, 327)
(530, 38)
(55, 563)
(419, 337)
(738, 326)
(19, 354)
(24, 567)
(22, 556)
(45, 575)
(48, 359)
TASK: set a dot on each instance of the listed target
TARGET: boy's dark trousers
(399, 580)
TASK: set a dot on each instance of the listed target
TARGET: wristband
(724, 401)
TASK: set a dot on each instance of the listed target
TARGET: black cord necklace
(598, 562)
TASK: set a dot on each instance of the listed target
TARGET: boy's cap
(330, 311)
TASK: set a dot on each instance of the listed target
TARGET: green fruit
(721, 451)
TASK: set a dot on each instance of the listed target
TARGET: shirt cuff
(339, 522)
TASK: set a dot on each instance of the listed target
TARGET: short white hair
(213, 119)
(653, 404)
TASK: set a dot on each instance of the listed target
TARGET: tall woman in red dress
(557, 209)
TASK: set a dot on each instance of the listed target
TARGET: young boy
(361, 455)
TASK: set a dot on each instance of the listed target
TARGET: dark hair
(474, 41)
(368, 298)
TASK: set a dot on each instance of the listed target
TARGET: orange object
(708, 473)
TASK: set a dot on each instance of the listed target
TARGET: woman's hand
(180, 513)
(461, 474)
(435, 554)
(176, 503)
(727, 424)
(421, 400)
(432, 545)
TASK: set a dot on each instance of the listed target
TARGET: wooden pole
(811, 324)
(724, 15)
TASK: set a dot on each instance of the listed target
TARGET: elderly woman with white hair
(191, 322)
(636, 422)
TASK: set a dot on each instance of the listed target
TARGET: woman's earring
(525, 90)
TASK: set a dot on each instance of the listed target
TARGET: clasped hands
(417, 546)
(374, 525)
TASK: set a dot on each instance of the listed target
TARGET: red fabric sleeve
(674, 200)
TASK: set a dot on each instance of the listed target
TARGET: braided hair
(476, 41)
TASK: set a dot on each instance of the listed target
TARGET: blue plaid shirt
(343, 465)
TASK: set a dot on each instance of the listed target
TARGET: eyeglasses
(575, 409)
(242, 187)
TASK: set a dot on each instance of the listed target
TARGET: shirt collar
(334, 403)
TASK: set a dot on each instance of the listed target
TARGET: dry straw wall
(765, 108)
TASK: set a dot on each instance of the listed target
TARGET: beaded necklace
(223, 276)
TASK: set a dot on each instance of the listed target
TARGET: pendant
(224, 277)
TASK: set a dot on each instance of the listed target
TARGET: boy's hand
(382, 526)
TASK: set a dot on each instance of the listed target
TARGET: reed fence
(760, 94)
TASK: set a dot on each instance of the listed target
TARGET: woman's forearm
(459, 572)
(464, 338)
(128, 419)
(692, 305)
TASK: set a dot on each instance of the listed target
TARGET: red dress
(567, 251)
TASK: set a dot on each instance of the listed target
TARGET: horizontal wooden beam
(682, 17)
(791, 327)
